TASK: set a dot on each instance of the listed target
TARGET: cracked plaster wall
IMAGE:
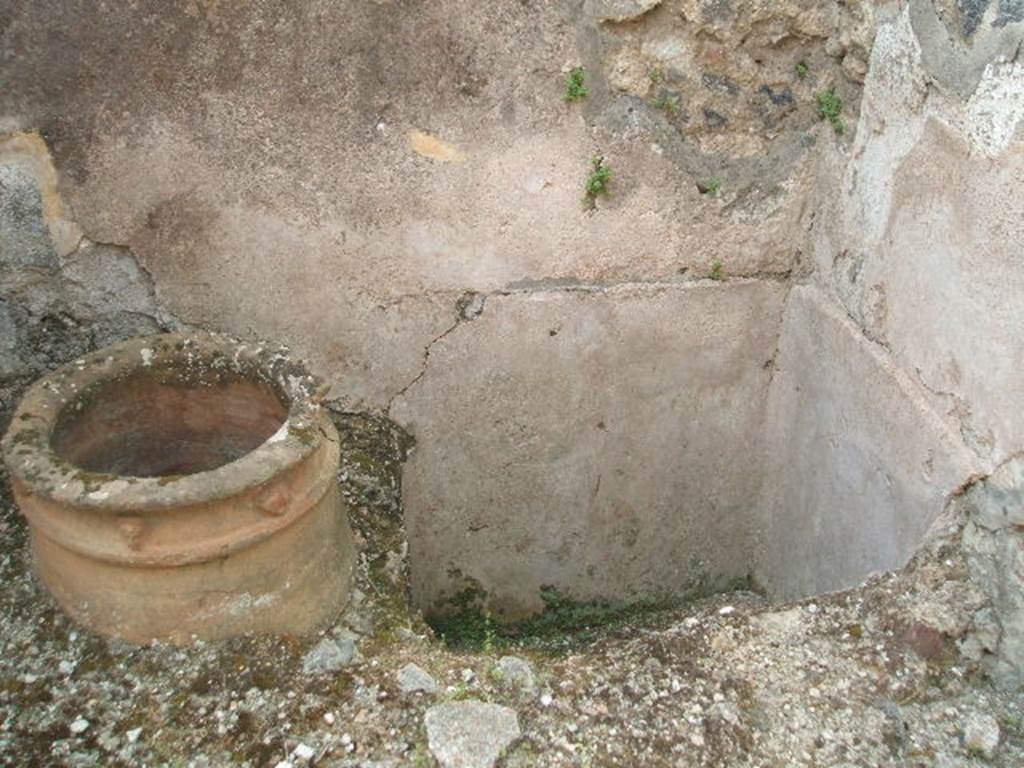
(337, 175)
(576, 439)
(394, 190)
(898, 389)
(922, 244)
(347, 177)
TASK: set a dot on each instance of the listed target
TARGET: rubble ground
(877, 676)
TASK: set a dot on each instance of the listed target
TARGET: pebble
(329, 656)
(79, 726)
(414, 679)
(652, 665)
(303, 752)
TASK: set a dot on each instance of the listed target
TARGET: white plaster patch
(891, 123)
(996, 108)
(147, 356)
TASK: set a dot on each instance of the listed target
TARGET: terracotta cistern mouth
(183, 485)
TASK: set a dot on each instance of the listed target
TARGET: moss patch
(464, 624)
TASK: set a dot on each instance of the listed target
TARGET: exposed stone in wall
(962, 37)
(60, 295)
(733, 84)
(993, 541)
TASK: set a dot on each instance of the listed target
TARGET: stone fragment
(329, 656)
(981, 734)
(652, 665)
(619, 10)
(470, 734)
(516, 673)
(79, 726)
(303, 753)
(778, 622)
(998, 501)
(926, 641)
(414, 679)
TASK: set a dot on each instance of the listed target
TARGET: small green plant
(656, 76)
(420, 757)
(461, 692)
(802, 69)
(709, 187)
(830, 107)
(668, 103)
(574, 88)
(490, 634)
(597, 181)
(717, 270)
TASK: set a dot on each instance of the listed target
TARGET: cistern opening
(161, 423)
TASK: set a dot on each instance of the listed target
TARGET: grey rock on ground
(516, 673)
(329, 656)
(470, 734)
(414, 679)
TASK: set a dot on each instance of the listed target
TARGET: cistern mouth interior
(159, 423)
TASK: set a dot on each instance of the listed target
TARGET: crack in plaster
(571, 285)
(424, 364)
(981, 445)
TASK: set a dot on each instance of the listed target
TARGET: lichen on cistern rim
(183, 486)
